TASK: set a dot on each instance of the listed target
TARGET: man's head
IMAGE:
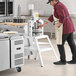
(52, 2)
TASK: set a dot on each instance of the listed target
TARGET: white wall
(24, 7)
(41, 6)
(71, 5)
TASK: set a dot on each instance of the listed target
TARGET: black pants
(69, 38)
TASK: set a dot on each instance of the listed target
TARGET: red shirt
(61, 12)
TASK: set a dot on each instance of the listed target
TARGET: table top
(14, 24)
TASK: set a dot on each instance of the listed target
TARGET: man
(61, 12)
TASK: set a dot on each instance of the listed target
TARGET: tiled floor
(32, 67)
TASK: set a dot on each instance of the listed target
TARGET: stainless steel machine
(11, 51)
(33, 25)
(6, 7)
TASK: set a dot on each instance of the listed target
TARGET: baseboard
(53, 35)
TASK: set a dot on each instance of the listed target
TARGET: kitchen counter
(14, 24)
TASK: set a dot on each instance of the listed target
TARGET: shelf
(44, 43)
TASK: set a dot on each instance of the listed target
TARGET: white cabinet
(17, 51)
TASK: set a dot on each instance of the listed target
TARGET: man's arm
(51, 19)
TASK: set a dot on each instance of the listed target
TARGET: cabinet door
(4, 54)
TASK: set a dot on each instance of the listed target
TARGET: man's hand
(45, 23)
